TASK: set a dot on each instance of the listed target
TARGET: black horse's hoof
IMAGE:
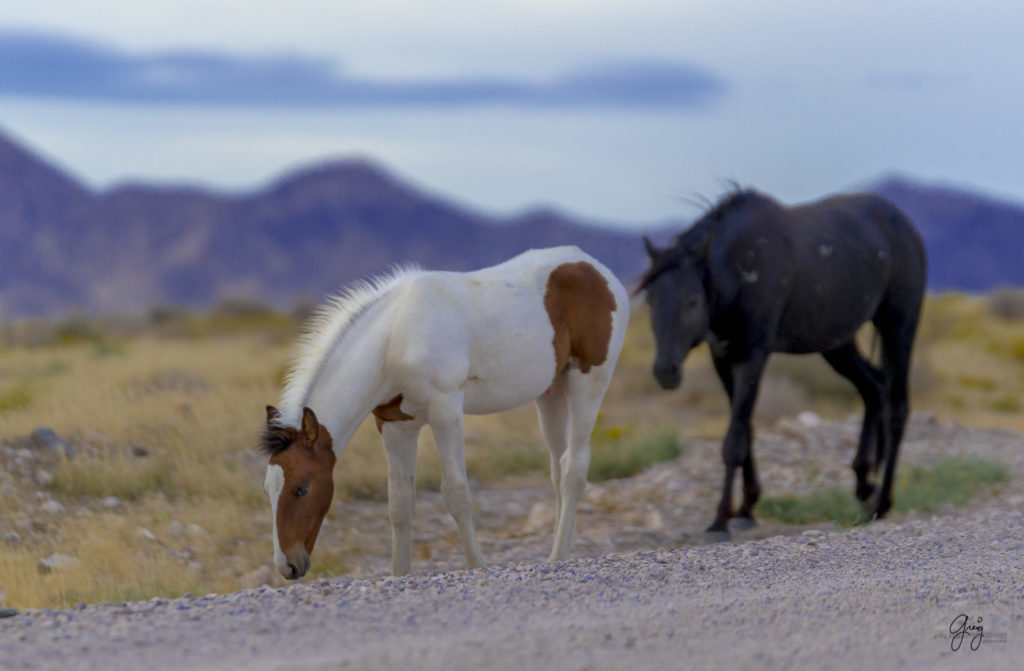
(875, 507)
(716, 536)
(741, 523)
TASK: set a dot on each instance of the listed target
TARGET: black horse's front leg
(736, 448)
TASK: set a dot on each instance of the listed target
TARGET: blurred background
(181, 182)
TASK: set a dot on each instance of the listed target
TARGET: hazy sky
(617, 111)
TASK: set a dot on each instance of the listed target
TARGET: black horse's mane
(685, 243)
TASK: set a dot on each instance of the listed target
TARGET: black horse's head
(679, 308)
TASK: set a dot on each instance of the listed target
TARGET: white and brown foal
(416, 348)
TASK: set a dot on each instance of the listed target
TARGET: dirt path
(883, 596)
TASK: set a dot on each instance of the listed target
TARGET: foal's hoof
(714, 536)
(741, 523)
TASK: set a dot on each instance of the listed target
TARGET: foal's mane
(325, 328)
(277, 438)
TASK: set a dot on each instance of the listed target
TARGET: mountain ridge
(65, 247)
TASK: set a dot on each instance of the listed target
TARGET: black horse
(753, 276)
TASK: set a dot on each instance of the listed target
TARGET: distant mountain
(64, 247)
(974, 243)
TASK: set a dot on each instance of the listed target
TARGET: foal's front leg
(445, 417)
(736, 448)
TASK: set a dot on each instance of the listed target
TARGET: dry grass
(188, 393)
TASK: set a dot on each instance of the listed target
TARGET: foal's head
(300, 486)
(674, 285)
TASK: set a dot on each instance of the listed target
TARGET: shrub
(1007, 303)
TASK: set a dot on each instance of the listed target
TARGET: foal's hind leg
(553, 413)
(870, 383)
(584, 392)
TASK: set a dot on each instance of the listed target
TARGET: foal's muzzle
(294, 566)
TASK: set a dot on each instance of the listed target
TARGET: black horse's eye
(301, 491)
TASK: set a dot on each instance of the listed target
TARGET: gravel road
(879, 596)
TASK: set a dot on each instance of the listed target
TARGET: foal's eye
(301, 491)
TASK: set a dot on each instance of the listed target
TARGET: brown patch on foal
(580, 306)
(390, 412)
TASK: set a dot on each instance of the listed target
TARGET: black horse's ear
(652, 251)
(273, 415)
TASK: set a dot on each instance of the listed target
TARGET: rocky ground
(642, 592)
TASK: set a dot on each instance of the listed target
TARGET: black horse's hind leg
(736, 448)
(896, 352)
(870, 383)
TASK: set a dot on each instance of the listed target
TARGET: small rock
(925, 417)
(52, 507)
(195, 568)
(541, 517)
(12, 538)
(809, 419)
(8, 612)
(110, 502)
(43, 478)
(264, 575)
(791, 428)
(46, 439)
(145, 534)
(653, 521)
(56, 562)
(595, 495)
(514, 509)
(196, 531)
(175, 529)
(138, 451)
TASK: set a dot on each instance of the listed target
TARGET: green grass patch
(824, 505)
(121, 476)
(17, 398)
(953, 480)
(1007, 404)
(978, 382)
(616, 453)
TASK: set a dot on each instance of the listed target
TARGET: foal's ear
(273, 415)
(310, 425)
